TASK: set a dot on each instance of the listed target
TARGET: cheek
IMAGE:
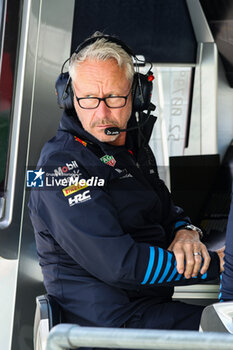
(128, 113)
(123, 115)
(83, 116)
(128, 107)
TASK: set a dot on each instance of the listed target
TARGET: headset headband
(109, 38)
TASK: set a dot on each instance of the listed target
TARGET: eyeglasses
(111, 102)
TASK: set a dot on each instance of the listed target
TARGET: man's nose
(102, 109)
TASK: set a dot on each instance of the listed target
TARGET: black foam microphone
(116, 131)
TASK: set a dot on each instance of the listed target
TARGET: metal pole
(68, 336)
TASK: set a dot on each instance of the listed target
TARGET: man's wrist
(183, 234)
(179, 225)
(191, 227)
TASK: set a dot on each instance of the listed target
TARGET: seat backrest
(217, 318)
(47, 315)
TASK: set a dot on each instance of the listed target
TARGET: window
(172, 95)
(9, 26)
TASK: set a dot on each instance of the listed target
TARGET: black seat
(48, 314)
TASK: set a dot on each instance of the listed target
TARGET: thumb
(170, 247)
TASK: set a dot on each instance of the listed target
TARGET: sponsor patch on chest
(107, 159)
(79, 198)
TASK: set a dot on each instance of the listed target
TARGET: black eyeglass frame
(102, 99)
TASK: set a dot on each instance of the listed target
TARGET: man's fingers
(197, 255)
(197, 265)
(179, 255)
(190, 254)
(206, 258)
(184, 258)
(189, 260)
(221, 255)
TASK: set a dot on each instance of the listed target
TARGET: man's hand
(189, 252)
(221, 254)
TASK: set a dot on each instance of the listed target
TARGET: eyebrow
(107, 95)
(111, 93)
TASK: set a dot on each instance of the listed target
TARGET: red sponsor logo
(81, 141)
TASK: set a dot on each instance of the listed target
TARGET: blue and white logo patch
(35, 178)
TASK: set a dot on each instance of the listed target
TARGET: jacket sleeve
(226, 285)
(85, 224)
(173, 216)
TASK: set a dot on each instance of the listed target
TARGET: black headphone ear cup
(64, 91)
(141, 92)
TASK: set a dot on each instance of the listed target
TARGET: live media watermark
(42, 179)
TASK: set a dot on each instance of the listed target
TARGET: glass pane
(171, 95)
(9, 44)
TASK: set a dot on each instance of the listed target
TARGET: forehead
(100, 72)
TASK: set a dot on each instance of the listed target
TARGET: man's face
(102, 79)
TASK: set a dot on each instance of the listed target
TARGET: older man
(112, 250)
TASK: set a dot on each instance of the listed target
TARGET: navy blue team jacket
(226, 285)
(102, 249)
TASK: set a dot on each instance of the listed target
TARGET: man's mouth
(105, 126)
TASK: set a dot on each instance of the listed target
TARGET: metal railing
(69, 336)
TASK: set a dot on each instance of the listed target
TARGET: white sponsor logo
(126, 176)
(79, 198)
(68, 167)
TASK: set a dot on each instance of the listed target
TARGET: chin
(107, 138)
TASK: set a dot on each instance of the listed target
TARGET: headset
(141, 87)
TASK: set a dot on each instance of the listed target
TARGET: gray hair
(102, 50)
